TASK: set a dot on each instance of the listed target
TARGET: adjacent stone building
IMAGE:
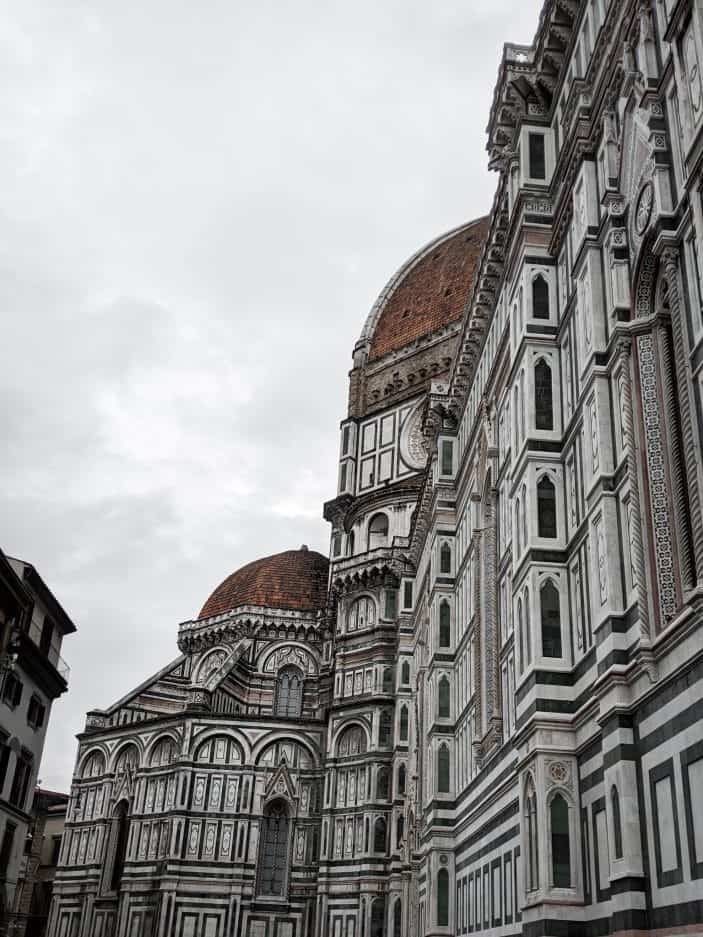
(32, 675)
(483, 714)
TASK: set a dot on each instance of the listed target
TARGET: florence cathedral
(482, 712)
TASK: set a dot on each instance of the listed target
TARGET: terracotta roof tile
(433, 292)
(295, 579)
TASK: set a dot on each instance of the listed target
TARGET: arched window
(443, 898)
(382, 783)
(443, 697)
(401, 779)
(524, 517)
(163, 753)
(117, 852)
(378, 917)
(544, 408)
(546, 507)
(403, 723)
(520, 637)
(398, 918)
(362, 614)
(273, 850)
(379, 835)
(617, 822)
(289, 693)
(540, 297)
(443, 769)
(387, 680)
(551, 620)
(532, 872)
(561, 853)
(405, 673)
(385, 733)
(399, 830)
(528, 630)
(445, 624)
(445, 558)
(378, 531)
(351, 742)
(94, 765)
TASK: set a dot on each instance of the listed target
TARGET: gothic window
(443, 769)
(403, 723)
(522, 405)
(398, 918)
(524, 517)
(520, 636)
(443, 697)
(518, 527)
(445, 629)
(382, 784)
(405, 673)
(336, 544)
(378, 531)
(163, 753)
(401, 779)
(273, 850)
(445, 559)
(399, 830)
(561, 853)
(528, 630)
(544, 407)
(540, 298)
(385, 731)
(289, 693)
(387, 680)
(443, 898)
(546, 507)
(378, 917)
(362, 614)
(551, 620)
(117, 851)
(617, 822)
(350, 543)
(351, 742)
(127, 760)
(379, 835)
(532, 870)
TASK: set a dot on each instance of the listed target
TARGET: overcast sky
(200, 203)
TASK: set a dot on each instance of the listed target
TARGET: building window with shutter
(12, 690)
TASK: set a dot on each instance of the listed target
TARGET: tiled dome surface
(431, 290)
(295, 579)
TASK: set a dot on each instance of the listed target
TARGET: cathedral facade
(482, 712)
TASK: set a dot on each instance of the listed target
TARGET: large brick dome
(295, 579)
(429, 291)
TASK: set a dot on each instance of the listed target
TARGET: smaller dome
(295, 580)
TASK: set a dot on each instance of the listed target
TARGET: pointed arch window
(532, 871)
(403, 723)
(551, 620)
(617, 822)
(274, 849)
(385, 729)
(379, 835)
(443, 898)
(561, 849)
(398, 918)
(117, 853)
(378, 531)
(443, 769)
(401, 779)
(544, 406)
(443, 697)
(383, 784)
(445, 624)
(546, 507)
(445, 558)
(540, 297)
(289, 693)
